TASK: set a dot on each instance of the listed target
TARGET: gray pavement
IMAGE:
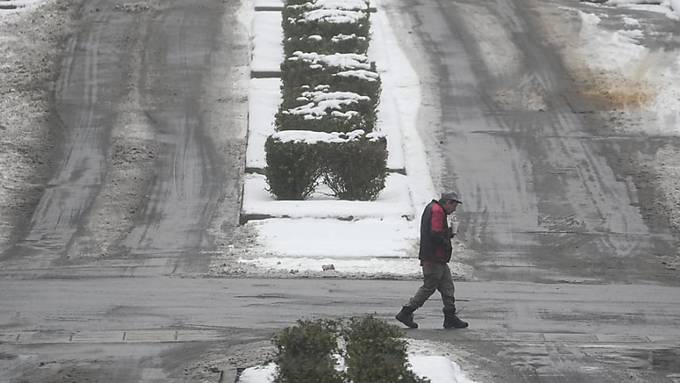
(519, 331)
(548, 191)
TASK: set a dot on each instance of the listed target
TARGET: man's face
(450, 206)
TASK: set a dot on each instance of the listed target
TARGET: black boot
(452, 321)
(405, 316)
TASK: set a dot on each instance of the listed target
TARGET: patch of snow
(630, 22)
(362, 74)
(342, 4)
(341, 37)
(332, 238)
(267, 45)
(670, 8)
(393, 201)
(311, 137)
(323, 103)
(361, 265)
(615, 51)
(346, 61)
(333, 16)
(264, 98)
(21, 6)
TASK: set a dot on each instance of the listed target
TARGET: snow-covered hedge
(374, 352)
(293, 167)
(317, 43)
(353, 165)
(305, 353)
(326, 111)
(325, 19)
(356, 169)
(328, 85)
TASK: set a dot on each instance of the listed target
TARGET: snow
(427, 360)
(345, 61)
(323, 103)
(267, 46)
(22, 6)
(393, 203)
(312, 137)
(670, 8)
(335, 16)
(620, 53)
(342, 239)
(609, 50)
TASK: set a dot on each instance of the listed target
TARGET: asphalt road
(153, 123)
(193, 329)
(547, 195)
(106, 285)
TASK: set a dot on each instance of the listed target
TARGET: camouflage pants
(436, 276)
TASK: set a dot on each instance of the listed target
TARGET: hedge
(353, 164)
(326, 111)
(293, 168)
(376, 353)
(356, 169)
(330, 87)
(305, 353)
(325, 45)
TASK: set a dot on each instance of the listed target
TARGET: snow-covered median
(324, 234)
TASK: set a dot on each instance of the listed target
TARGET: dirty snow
(670, 8)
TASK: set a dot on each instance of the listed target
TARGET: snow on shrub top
(362, 74)
(345, 61)
(311, 137)
(341, 37)
(343, 4)
(332, 16)
(347, 5)
(321, 104)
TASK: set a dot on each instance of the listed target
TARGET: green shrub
(293, 168)
(325, 45)
(321, 110)
(361, 81)
(328, 123)
(305, 353)
(315, 69)
(376, 353)
(356, 169)
(300, 22)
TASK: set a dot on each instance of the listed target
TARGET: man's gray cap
(451, 196)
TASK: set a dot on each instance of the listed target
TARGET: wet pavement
(546, 197)
(519, 331)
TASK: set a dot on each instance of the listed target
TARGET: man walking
(434, 255)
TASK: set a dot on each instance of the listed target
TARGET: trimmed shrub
(321, 110)
(356, 169)
(324, 45)
(376, 353)
(316, 69)
(324, 22)
(293, 168)
(361, 81)
(305, 353)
